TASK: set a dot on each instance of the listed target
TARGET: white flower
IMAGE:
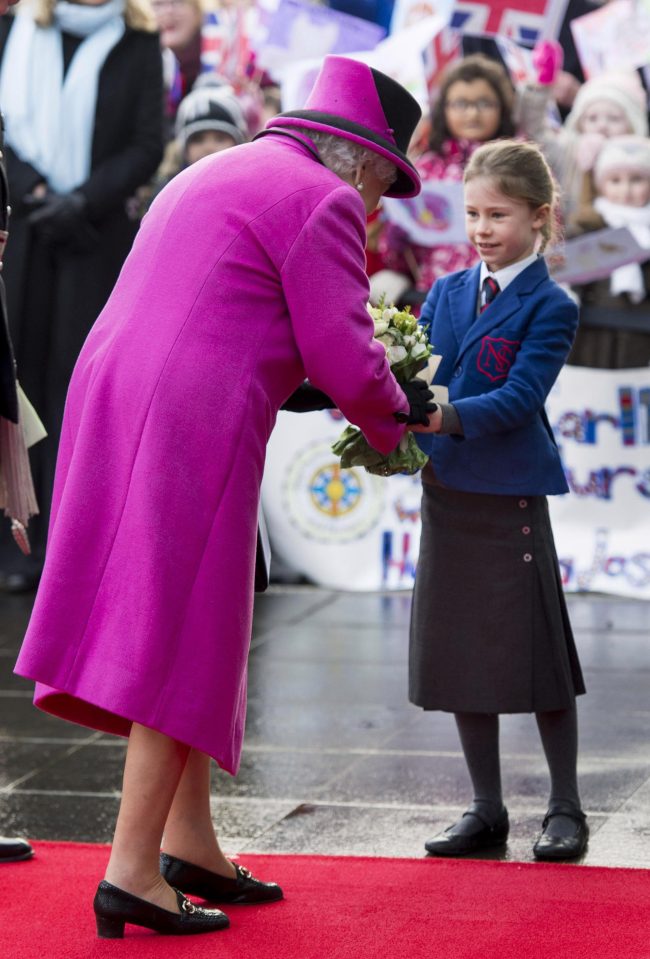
(388, 314)
(418, 350)
(409, 340)
(395, 354)
(381, 326)
(387, 340)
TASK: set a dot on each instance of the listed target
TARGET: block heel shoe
(114, 908)
(245, 889)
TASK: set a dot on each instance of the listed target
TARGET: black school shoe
(244, 890)
(551, 848)
(489, 837)
(15, 850)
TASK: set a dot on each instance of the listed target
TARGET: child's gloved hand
(548, 58)
(420, 400)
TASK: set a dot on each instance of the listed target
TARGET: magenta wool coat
(247, 276)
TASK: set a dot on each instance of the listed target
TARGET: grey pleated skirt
(490, 631)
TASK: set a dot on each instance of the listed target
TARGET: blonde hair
(137, 14)
(520, 172)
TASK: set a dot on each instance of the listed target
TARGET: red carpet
(348, 908)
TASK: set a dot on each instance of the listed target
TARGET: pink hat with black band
(352, 100)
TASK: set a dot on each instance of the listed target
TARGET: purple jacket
(246, 276)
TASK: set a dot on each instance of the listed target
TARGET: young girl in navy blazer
(490, 632)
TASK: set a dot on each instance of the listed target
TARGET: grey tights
(479, 737)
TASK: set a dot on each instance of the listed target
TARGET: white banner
(299, 30)
(346, 529)
(408, 12)
(614, 37)
(399, 56)
(434, 217)
(593, 256)
(602, 528)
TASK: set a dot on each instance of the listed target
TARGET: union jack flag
(444, 48)
(224, 44)
(525, 21)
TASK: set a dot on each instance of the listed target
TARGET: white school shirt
(504, 276)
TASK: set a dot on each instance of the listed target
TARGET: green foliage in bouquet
(407, 351)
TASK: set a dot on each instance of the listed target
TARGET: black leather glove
(308, 398)
(420, 399)
(61, 219)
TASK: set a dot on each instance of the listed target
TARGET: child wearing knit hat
(622, 171)
(609, 105)
(209, 119)
(614, 330)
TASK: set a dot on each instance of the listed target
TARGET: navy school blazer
(499, 367)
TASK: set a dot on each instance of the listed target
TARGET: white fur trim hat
(624, 89)
(211, 108)
(623, 153)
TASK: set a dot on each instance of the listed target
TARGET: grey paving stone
(20, 720)
(21, 760)
(91, 768)
(362, 725)
(69, 817)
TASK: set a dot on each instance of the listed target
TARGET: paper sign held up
(595, 256)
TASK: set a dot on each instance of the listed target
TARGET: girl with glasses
(474, 105)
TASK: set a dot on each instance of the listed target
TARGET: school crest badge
(496, 356)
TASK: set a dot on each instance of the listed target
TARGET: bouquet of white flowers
(408, 351)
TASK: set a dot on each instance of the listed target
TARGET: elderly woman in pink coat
(247, 276)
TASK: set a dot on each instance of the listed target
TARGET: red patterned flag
(444, 48)
(525, 21)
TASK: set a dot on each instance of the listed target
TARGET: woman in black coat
(11, 850)
(69, 239)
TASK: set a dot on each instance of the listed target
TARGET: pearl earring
(359, 186)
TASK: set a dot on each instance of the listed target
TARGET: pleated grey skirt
(490, 631)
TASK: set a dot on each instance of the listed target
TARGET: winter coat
(54, 292)
(499, 367)
(247, 276)
(8, 398)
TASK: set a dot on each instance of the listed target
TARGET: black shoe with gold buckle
(114, 908)
(245, 889)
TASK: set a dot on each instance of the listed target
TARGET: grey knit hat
(213, 107)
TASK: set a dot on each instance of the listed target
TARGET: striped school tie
(489, 290)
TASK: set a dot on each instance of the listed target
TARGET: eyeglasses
(159, 5)
(462, 106)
